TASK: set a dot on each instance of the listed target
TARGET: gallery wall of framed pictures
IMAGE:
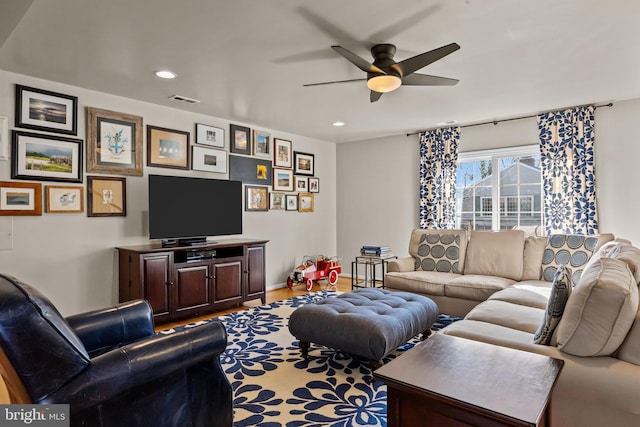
(45, 147)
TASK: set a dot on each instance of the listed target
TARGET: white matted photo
(59, 199)
(209, 135)
(278, 201)
(208, 160)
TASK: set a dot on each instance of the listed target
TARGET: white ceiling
(246, 60)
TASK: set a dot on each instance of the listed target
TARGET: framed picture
(282, 179)
(114, 142)
(59, 199)
(208, 160)
(20, 198)
(303, 163)
(256, 198)
(292, 202)
(240, 139)
(305, 202)
(106, 196)
(250, 170)
(4, 138)
(277, 201)
(209, 135)
(301, 184)
(167, 148)
(282, 153)
(261, 144)
(46, 157)
(314, 185)
(48, 111)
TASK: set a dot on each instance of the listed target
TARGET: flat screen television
(185, 210)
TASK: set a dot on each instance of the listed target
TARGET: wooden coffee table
(451, 381)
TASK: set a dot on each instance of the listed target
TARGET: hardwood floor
(343, 285)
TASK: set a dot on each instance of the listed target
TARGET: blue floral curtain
(438, 159)
(568, 177)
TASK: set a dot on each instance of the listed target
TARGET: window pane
(519, 195)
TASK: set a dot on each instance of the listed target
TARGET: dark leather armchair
(109, 365)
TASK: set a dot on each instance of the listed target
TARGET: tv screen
(188, 208)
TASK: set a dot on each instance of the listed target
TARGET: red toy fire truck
(315, 268)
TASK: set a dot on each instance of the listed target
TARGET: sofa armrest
(401, 264)
(105, 329)
(147, 361)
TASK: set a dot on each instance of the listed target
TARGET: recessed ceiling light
(338, 124)
(166, 74)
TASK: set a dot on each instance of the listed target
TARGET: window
(510, 198)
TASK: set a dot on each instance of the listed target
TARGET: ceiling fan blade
(426, 80)
(413, 64)
(356, 60)
(375, 96)
(336, 81)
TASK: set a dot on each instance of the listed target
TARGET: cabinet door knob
(210, 277)
(170, 283)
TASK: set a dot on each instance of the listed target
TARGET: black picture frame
(250, 170)
(239, 139)
(40, 157)
(303, 163)
(43, 110)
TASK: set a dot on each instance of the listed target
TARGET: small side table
(370, 264)
(453, 381)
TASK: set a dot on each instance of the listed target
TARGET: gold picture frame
(64, 199)
(305, 202)
(106, 196)
(114, 142)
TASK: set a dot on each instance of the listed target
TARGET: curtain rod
(495, 122)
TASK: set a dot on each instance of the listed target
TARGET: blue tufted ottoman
(367, 322)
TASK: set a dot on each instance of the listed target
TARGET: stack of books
(374, 250)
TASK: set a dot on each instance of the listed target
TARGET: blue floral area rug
(274, 386)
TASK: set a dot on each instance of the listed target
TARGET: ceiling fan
(385, 74)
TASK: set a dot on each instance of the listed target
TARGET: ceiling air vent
(184, 99)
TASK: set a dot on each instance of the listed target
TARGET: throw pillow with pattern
(560, 291)
(438, 252)
(572, 250)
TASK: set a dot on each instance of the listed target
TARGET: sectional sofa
(566, 296)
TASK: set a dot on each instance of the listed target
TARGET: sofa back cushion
(438, 250)
(496, 253)
(574, 250)
(600, 310)
(532, 260)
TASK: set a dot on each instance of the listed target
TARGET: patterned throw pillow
(438, 252)
(560, 291)
(572, 250)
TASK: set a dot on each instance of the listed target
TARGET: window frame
(494, 155)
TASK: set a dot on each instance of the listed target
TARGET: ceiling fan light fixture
(384, 83)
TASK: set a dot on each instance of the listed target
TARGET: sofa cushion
(509, 315)
(496, 253)
(532, 260)
(532, 297)
(600, 310)
(475, 287)
(438, 250)
(630, 255)
(560, 291)
(422, 282)
(629, 350)
(573, 250)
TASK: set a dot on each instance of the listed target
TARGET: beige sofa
(501, 283)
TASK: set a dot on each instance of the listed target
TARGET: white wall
(378, 179)
(71, 258)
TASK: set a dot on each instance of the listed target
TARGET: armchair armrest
(401, 264)
(135, 365)
(105, 329)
